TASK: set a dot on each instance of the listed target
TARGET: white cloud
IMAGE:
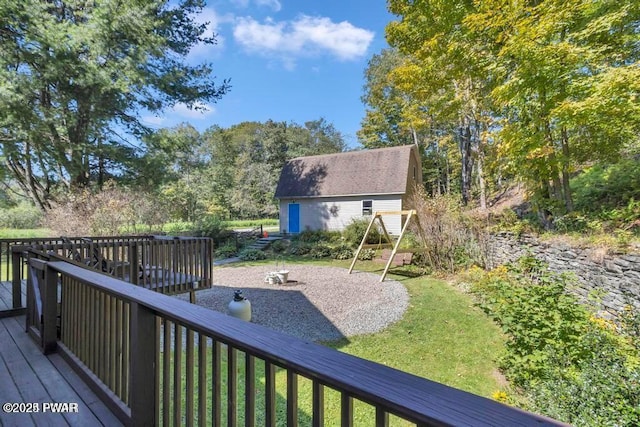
(304, 36)
(199, 110)
(153, 120)
(273, 4)
(213, 21)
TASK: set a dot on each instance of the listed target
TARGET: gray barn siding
(337, 212)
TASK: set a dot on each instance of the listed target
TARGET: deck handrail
(138, 398)
(7, 244)
(165, 264)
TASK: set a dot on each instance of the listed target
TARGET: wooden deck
(6, 299)
(28, 376)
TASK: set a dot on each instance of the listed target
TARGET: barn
(329, 191)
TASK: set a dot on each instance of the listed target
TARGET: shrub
(211, 226)
(178, 227)
(607, 186)
(601, 389)
(279, 246)
(354, 232)
(574, 221)
(300, 248)
(85, 213)
(23, 216)
(226, 251)
(449, 239)
(112, 211)
(366, 254)
(533, 308)
(566, 362)
(341, 251)
(252, 255)
(320, 251)
(315, 236)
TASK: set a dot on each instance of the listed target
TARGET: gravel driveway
(325, 304)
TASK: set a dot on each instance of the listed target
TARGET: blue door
(294, 217)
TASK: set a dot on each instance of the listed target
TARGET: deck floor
(28, 376)
(6, 300)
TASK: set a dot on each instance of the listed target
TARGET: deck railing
(158, 360)
(165, 264)
(6, 246)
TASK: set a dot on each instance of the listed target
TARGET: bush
(226, 251)
(178, 227)
(279, 246)
(366, 254)
(602, 388)
(23, 216)
(341, 252)
(531, 305)
(449, 239)
(574, 221)
(566, 362)
(112, 211)
(300, 248)
(607, 186)
(211, 226)
(316, 236)
(252, 255)
(354, 232)
(320, 251)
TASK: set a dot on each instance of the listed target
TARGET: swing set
(389, 241)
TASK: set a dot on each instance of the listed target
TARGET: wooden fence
(157, 360)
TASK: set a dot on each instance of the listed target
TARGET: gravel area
(318, 303)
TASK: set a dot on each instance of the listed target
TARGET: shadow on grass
(173, 392)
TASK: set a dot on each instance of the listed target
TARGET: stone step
(263, 242)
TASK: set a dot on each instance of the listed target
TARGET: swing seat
(400, 259)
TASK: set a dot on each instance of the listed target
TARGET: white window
(367, 207)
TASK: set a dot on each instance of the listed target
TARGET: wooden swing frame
(378, 216)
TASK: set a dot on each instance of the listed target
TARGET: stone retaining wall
(617, 276)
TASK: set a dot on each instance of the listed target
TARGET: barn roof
(366, 172)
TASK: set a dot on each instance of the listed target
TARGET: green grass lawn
(442, 337)
(16, 233)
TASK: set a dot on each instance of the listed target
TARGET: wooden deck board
(30, 376)
(10, 393)
(6, 298)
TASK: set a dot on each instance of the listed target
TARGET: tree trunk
(481, 183)
(26, 179)
(467, 162)
(568, 199)
(553, 164)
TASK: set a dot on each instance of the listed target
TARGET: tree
(246, 159)
(384, 124)
(552, 84)
(566, 79)
(74, 76)
(442, 73)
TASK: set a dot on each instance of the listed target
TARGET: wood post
(378, 215)
(364, 240)
(16, 278)
(135, 266)
(142, 356)
(49, 329)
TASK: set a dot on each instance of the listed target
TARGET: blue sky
(288, 61)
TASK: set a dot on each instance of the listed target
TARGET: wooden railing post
(16, 278)
(142, 354)
(50, 311)
(134, 263)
